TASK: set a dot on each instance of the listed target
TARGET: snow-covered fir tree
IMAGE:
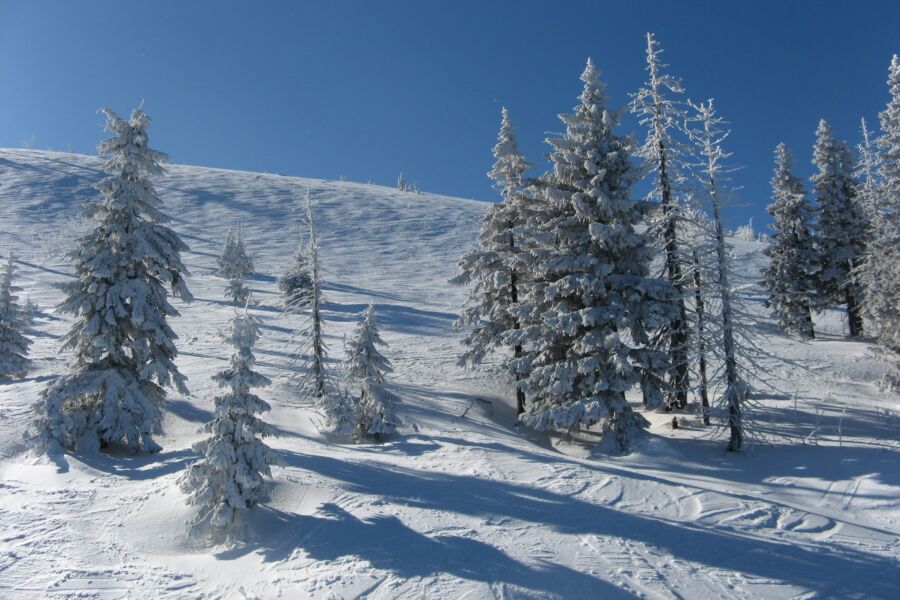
(402, 184)
(364, 371)
(234, 261)
(882, 304)
(31, 310)
(793, 260)
(841, 226)
(490, 268)
(663, 117)
(235, 265)
(316, 383)
(237, 292)
(591, 302)
(14, 321)
(124, 348)
(296, 283)
(228, 478)
(709, 140)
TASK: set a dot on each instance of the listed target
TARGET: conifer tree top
(593, 95)
(127, 152)
(510, 164)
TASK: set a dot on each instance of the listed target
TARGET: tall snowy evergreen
(316, 383)
(883, 288)
(793, 260)
(663, 117)
(364, 370)
(490, 268)
(842, 226)
(709, 141)
(227, 480)
(235, 265)
(14, 321)
(124, 349)
(591, 303)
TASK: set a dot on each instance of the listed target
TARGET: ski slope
(461, 505)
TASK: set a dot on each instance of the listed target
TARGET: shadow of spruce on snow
(830, 570)
(387, 543)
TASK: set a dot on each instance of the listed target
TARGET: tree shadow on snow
(189, 412)
(387, 543)
(350, 289)
(828, 569)
(119, 461)
(395, 317)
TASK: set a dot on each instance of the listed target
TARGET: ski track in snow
(461, 505)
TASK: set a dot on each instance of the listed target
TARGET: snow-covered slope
(462, 504)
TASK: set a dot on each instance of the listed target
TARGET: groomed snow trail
(461, 504)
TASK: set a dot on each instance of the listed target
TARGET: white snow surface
(461, 504)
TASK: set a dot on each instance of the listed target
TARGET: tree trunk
(807, 318)
(514, 296)
(679, 375)
(854, 313)
(701, 341)
(733, 391)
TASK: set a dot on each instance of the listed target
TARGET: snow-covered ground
(461, 505)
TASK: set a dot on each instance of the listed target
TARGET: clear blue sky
(365, 89)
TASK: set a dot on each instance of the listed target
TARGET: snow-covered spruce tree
(402, 185)
(364, 370)
(591, 303)
(227, 480)
(124, 348)
(663, 117)
(842, 226)
(709, 141)
(793, 260)
(883, 288)
(234, 261)
(490, 268)
(14, 321)
(31, 311)
(237, 292)
(316, 383)
(296, 283)
(235, 265)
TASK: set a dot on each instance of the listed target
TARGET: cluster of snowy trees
(404, 185)
(844, 249)
(584, 292)
(124, 349)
